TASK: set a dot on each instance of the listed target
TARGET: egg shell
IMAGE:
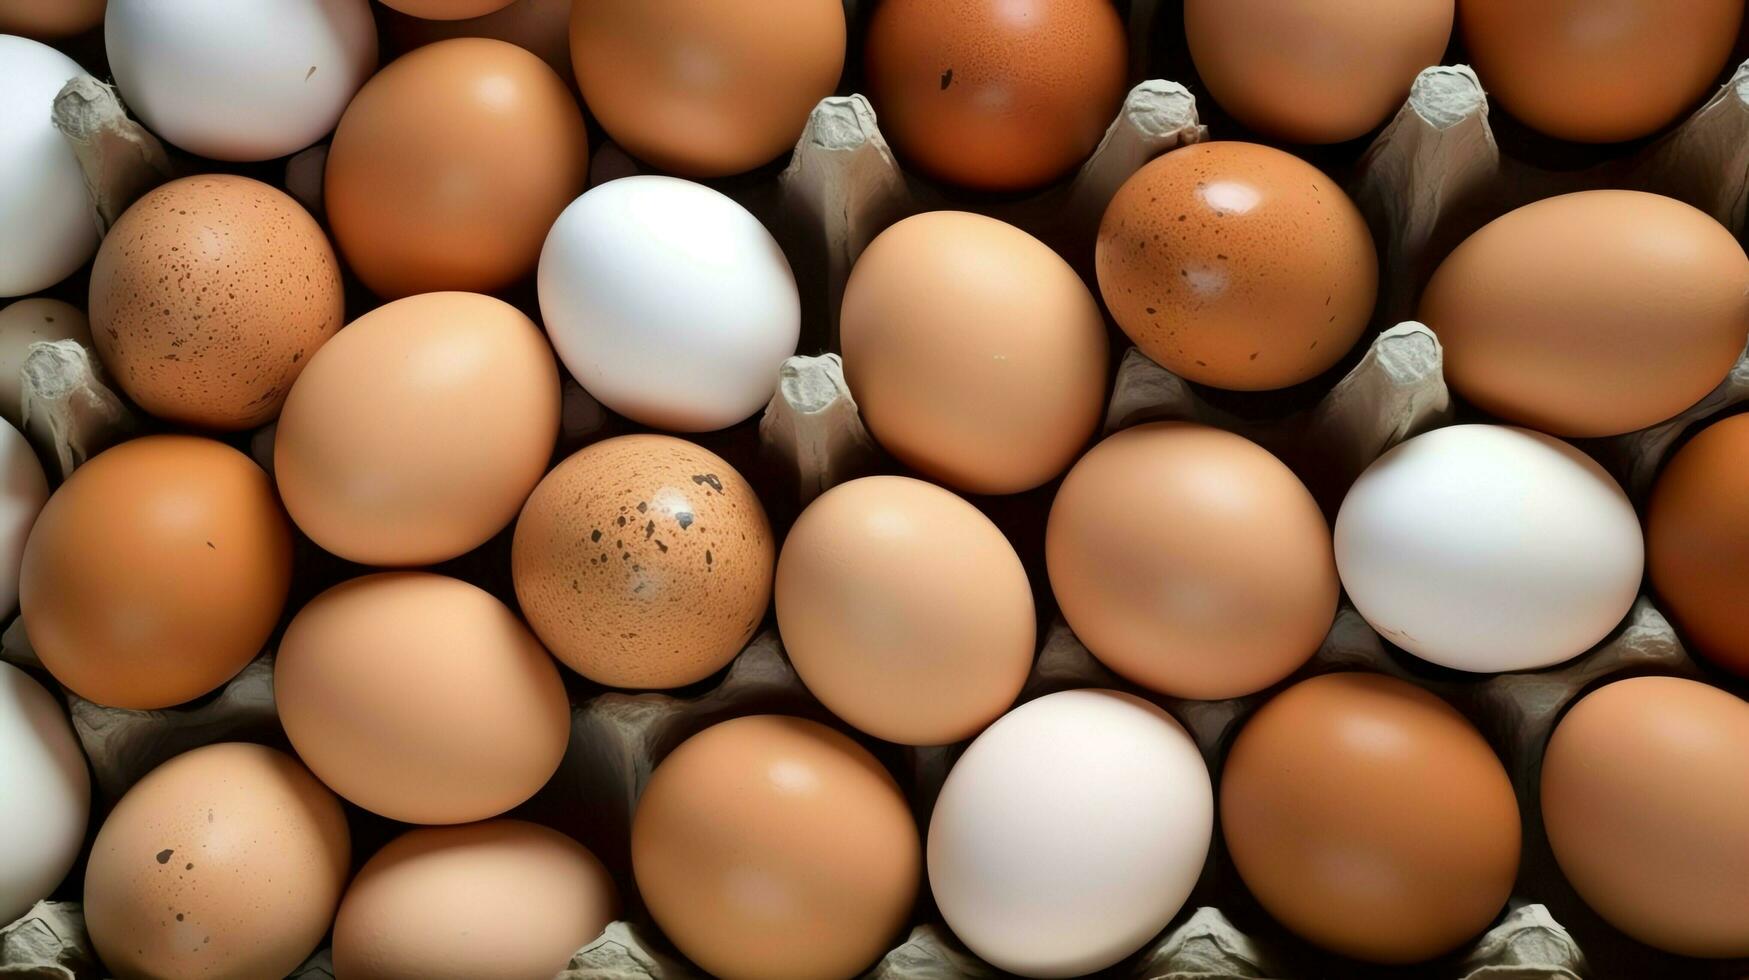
(447, 9)
(156, 572)
(977, 356)
(501, 900)
(421, 698)
(1070, 833)
(24, 489)
(702, 88)
(50, 228)
(669, 302)
(45, 793)
(226, 862)
(1644, 787)
(776, 848)
(1697, 543)
(643, 561)
(208, 298)
(449, 167)
(22, 324)
(1191, 561)
(1314, 71)
(540, 26)
(418, 432)
(235, 81)
(1237, 265)
(48, 20)
(1369, 817)
(1591, 314)
(997, 95)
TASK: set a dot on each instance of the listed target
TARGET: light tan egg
(27, 322)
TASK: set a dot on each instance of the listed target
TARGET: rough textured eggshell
(24, 489)
(447, 9)
(45, 793)
(1697, 543)
(22, 324)
(51, 227)
(50, 19)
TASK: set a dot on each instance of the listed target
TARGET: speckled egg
(209, 296)
(643, 562)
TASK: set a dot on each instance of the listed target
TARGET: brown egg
(905, 610)
(416, 435)
(156, 572)
(706, 88)
(225, 863)
(1599, 73)
(1191, 561)
(450, 165)
(1236, 265)
(209, 296)
(1312, 71)
(1369, 817)
(774, 848)
(644, 562)
(976, 355)
(421, 698)
(447, 9)
(50, 19)
(999, 95)
(1591, 314)
(1697, 543)
(502, 900)
(1644, 791)
(539, 26)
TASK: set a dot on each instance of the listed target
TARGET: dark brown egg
(1697, 543)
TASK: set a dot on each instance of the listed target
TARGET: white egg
(240, 81)
(23, 491)
(668, 302)
(1070, 833)
(1489, 548)
(45, 793)
(47, 226)
(22, 324)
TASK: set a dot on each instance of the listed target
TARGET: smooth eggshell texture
(1237, 265)
(24, 488)
(447, 9)
(540, 26)
(1697, 543)
(225, 863)
(1591, 314)
(1191, 561)
(421, 698)
(1369, 817)
(703, 88)
(1070, 833)
(45, 793)
(977, 356)
(156, 572)
(905, 610)
(501, 900)
(50, 228)
(418, 432)
(449, 166)
(776, 848)
(1598, 73)
(208, 297)
(644, 562)
(27, 322)
(1644, 788)
(50, 19)
(999, 95)
(1314, 71)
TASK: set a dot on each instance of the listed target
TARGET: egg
(996, 95)
(1697, 542)
(156, 572)
(240, 81)
(705, 88)
(1591, 314)
(776, 848)
(643, 561)
(447, 9)
(977, 356)
(905, 610)
(1487, 548)
(51, 227)
(208, 297)
(45, 793)
(49, 19)
(24, 488)
(1236, 265)
(1578, 70)
(450, 165)
(421, 698)
(417, 433)
(1644, 787)
(501, 900)
(226, 862)
(1070, 833)
(27, 322)
(1191, 561)
(540, 26)
(1307, 71)
(1370, 818)
(669, 302)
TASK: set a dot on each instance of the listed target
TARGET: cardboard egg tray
(1434, 174)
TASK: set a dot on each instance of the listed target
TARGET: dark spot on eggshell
(164, 856)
